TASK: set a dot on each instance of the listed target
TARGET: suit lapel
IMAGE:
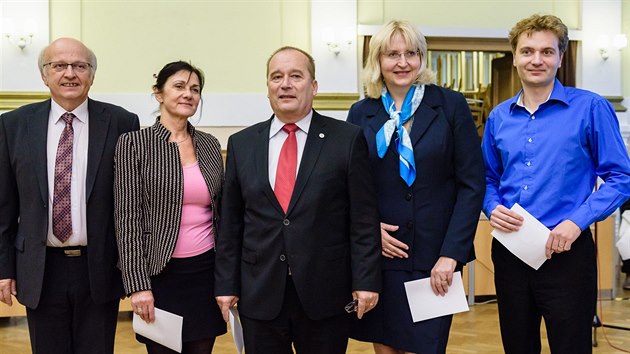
(317, 133)
(38, 135)
(98, 128)
(424, 116)
(262, 163)
(379, 117)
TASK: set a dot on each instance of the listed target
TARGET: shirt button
(525, 187)
(529, 163)
(533, 117)
(408, 196)
(410, 225)
(530, 140)
(283, 258)
(286, 222)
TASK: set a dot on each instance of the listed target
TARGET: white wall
(18, 68)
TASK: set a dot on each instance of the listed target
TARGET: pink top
(196, 234)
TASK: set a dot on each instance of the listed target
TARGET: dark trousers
(293, 327)
(67, 321)
(563, 292)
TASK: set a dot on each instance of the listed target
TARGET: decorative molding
(334, 101)
(12, 100)
(616, 103)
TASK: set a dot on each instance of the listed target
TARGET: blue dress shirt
(548, 161)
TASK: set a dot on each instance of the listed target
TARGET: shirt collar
(557, 94)
(303, 124)
(81, 112)
(161, 131)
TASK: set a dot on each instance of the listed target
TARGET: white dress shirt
(277, 136)
(56, 126)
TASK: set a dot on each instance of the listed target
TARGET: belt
(70, 251)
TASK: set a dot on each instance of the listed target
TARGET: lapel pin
(321, 135)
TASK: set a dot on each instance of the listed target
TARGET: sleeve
(365, 239)
(229, 240)
(493, 167)
(128, 208)
(468, 166)
(9, 208)
(610, 159)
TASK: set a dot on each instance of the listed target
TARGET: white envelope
(424, 304)
(237, 330)
(623, 245)
(528, 243)
(165, 330)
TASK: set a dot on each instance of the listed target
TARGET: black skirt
(186, 288)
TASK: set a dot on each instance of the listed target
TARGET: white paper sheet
(528, 243)
(424, 304)
(623, 245)
(237, 330)
(166, 329)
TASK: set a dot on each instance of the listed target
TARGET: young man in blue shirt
(544, 149)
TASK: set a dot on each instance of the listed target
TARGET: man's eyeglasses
(352, 306)
(58, 66)
(395, 56)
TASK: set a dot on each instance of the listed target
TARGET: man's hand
(367, 300)
(225, 304)
(442, 275)
(7, 288)
(392, 247)
(561, 237)
(505, 220)
(142, 304)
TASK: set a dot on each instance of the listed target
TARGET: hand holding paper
(166, 329)
(528, 243)
(424, 304)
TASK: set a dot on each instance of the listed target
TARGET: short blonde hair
(540, 23)
(372, 76)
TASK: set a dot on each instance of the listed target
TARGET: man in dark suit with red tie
(58, 252)
(299, 234)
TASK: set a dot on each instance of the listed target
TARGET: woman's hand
(142, 305)
(442, 275)
(392, 247)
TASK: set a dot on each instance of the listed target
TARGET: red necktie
(287, 168)
(62, 213)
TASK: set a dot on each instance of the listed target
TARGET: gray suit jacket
(24, 198)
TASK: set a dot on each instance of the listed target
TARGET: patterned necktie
(62, 214)
(287, 168)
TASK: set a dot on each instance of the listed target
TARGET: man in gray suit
(58, 252)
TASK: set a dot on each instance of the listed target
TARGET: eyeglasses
(352, 306)
(78, 67)
(395, 56)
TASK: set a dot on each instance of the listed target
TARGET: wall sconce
(23, 38)
(336, 43)
(619, 42)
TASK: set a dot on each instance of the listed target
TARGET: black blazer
(149, 192)
(24, 198)
(438, 214)
(329, 237)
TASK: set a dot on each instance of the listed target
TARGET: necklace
(181, 141)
